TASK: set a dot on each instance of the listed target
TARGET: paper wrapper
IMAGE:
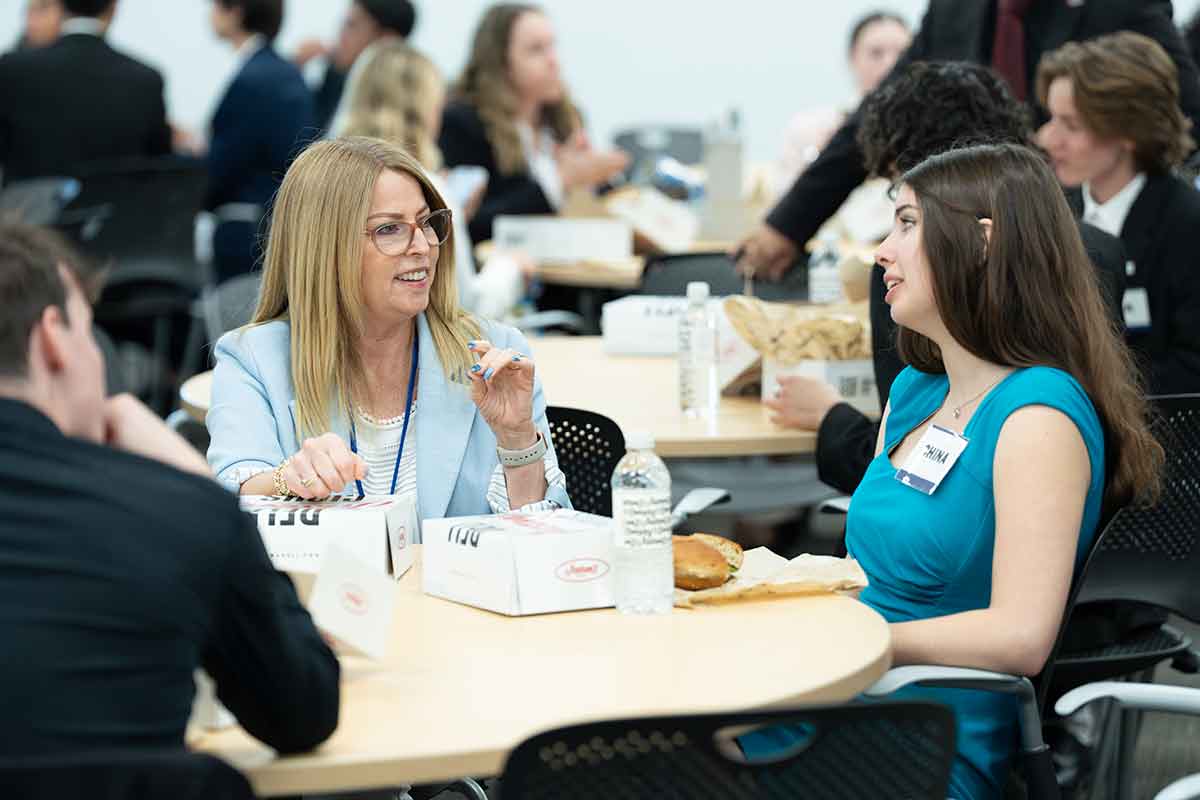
(765, 574)
(790, 334)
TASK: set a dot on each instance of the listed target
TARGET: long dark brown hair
(1029, 296)
(484, 84)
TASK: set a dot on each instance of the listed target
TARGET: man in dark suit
(123, 565)
(1010, 35)
(261, 123)
(78, 100)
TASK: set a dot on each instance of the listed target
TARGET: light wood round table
(462, 687)
(637, 392)
(642, 393)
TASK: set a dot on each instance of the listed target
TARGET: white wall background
(627, 61)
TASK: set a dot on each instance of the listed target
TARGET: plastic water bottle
(824, 276)
(698, 388)
(643, 568)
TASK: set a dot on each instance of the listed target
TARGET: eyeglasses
(393, 238)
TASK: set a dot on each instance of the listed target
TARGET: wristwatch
(519, 458)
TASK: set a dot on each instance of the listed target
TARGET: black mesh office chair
(139, 216)
(1149, 555)
(123, 775)
(894, 750)
(670, 274)
(588, 446)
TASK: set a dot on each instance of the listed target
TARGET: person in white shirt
(1114, 135)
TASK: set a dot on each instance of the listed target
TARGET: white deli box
(520, 563)
(377, 529)
(854, 379)
(556, 239)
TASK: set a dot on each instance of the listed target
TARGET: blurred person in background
(876, 41)
(366, 22)
(43, 19)
(1010, 36)
(510, 113)
(78, 100)
(260, 124)
(398, 95)
(1116, 132)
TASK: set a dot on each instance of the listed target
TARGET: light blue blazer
(252, 418)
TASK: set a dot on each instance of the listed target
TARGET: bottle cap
(639, 440)
(697, 291)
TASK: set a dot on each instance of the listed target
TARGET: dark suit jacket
(118, 577)
(962, 30)
(846, 439)
(264, 119)
(327, 96)
(463, 141)
(1159, 238)
(76, 101)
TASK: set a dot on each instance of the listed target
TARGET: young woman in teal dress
(1010, 349)
(1018, 383)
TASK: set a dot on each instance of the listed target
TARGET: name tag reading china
(928, 464)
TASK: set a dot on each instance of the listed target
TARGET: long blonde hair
(484, 84)
(394, 97)
(312, 274)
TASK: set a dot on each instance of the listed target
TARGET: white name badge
(1135, 306)
(935, 454)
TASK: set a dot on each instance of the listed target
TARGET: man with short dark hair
(123, 565)
(78, 101)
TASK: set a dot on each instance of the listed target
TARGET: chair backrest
(156, 775)
(588, 446)
(140, 214)
(669, 275)
(1151, 554)
(37, 201)
(231, 305)
(894, 749)
(646, 144)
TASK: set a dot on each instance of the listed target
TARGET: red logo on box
(581, 570)
(354, 599)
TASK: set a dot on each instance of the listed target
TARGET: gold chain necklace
(958, 408)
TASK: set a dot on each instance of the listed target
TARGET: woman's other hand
(802, 402)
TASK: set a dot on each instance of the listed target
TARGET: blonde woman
(397, 94)
(511, 115)
(360, 372)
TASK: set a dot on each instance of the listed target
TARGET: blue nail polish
(490, 372)
(475, 368)
(516, 358)
(470, 345)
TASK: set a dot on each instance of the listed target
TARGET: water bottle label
(642, 520)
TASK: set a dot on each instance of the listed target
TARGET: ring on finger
(306, 482)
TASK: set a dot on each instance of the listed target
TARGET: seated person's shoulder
(912, 384)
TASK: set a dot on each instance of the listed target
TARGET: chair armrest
(964, 678)
(1183, 789)
(696, 501)
(835, 505)
(1142, 696)
(541, 320)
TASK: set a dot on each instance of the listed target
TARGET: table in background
(641, 393)
(637, 392)
(462, 687)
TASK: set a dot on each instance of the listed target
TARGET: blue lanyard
(412, 384)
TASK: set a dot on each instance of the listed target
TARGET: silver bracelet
(519, 458)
